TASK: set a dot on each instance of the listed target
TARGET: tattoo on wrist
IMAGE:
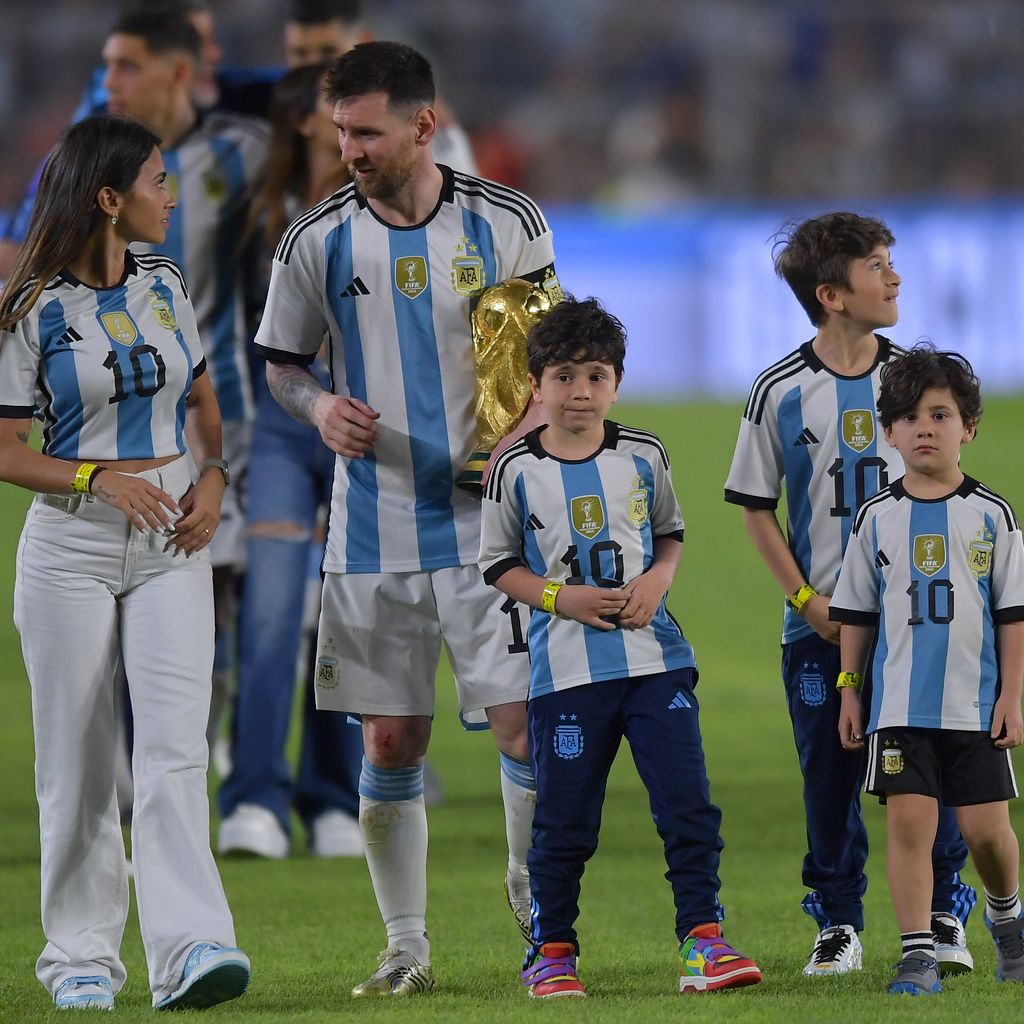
(294, 389)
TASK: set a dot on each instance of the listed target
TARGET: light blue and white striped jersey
(817, 431)
(936, 577)
(108, 368)
(588, 522)
(211, 173)
(396, 303)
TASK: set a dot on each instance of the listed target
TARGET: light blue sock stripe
(518, 772)
(390, 784)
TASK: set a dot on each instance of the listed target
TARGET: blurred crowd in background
(640, 103)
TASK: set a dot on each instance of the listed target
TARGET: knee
(395, 742)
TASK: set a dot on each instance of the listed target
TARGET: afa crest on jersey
(120, 327)
(551, 285)
(327, 672)
(637, 507)
(587, 515)
(892, 760)
(568, 742)
(979, 558)
(858, 428)
(162, 311)
(411, 276)
(929, 553)
(468, 275)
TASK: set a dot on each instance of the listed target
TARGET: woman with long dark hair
(112, 571)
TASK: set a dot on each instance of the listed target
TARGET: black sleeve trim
(539, 276)
(275, 355)
(1002, 616)
(199, 369)
(751, 500)
(674, 535)
(496, 571)
(853, 617)
(17, 412)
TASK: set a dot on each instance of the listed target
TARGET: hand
(346, 425)
(1007, 725)
(534, 416)
(589, 604)
(200, 514)
(643, 594)
(816, 614)
(143, 503)
(851, 733)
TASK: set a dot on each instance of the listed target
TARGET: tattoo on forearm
(294, 389)
(101, 492)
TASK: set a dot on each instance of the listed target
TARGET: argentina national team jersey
(211, 173)
(396, 304)
(109, 369)
(936, 577)
(590, 522)
(818, 431)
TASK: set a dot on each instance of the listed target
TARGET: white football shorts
(380, 637)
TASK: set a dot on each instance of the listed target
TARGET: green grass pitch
(312, 928)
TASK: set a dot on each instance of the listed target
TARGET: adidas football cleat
(837, 950)
(551, 972)
(708, 963)
(520, 904)
(399, 974)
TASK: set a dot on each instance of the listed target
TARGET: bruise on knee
(280, 529)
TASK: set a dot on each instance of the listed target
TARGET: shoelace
(831, 945)
(77, 983)
(1011, 945)
(944, 932)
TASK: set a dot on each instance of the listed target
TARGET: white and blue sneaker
(91, 993)
(212, 974)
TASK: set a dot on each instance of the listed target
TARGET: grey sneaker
(951, 945)
(917, 974)
(399, 974)
(1009, 939)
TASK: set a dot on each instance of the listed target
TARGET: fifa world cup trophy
(501, 321)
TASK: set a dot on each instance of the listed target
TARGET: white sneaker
(837, 950)
(951, 945)
(255, 830)
(336, 834)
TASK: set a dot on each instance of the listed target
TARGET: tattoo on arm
(295, 390)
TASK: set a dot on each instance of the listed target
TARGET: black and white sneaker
(837, 950)
(951, 945)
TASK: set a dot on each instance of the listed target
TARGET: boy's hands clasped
(633, 606)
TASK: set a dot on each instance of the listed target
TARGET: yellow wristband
(854, 679)
(547, 598)
(83, 476)
(801, 597)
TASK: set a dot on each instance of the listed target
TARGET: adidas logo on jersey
(533, 523)
(679, 701)
(806, 437)
(68, 337)
(880, 560)
(355, 288)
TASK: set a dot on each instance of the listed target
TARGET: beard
(387, 181)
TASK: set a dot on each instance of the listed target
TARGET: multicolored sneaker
(399, 974)
(521, 906)
(1009, 939)
(917, 974)
(85, 993)
(707, 962)
(837, 950)
(551, 972)
(951, 945)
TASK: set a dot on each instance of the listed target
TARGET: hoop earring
(113, 220)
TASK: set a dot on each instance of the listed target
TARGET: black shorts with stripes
(957, 767)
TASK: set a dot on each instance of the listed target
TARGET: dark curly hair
(819, 251)
(576, 331)
(906, 378)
